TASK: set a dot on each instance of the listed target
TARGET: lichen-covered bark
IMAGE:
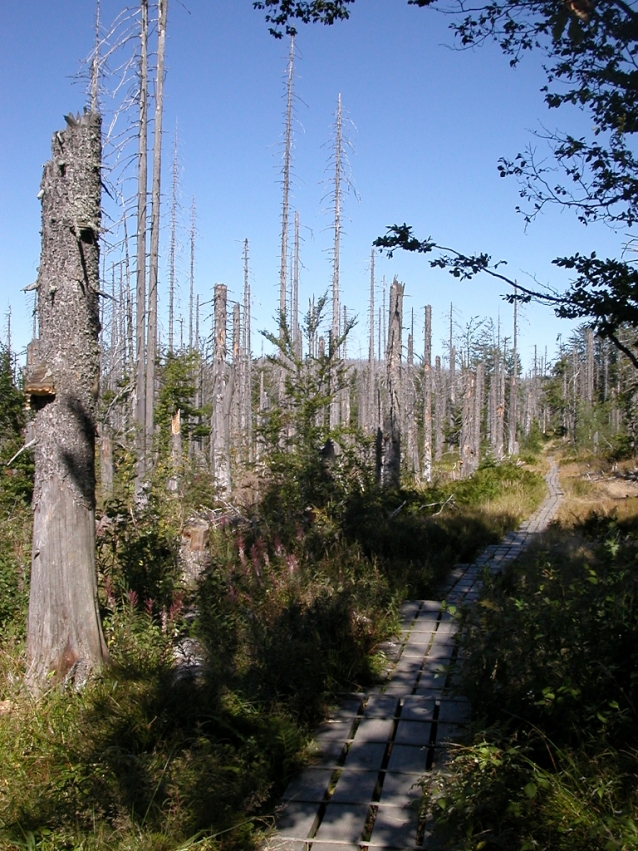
(64, 636)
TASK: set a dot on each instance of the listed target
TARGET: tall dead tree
(222, 396)
(142, 191)
(467, 448)
(153, 269)
(247, 419)
(173, 247)
(426, 466)
(512, 443)
(588, 390)
(285, 182)
(371, 413)
(478, 413)
(408, 406)
(452, 363)
(294, 300)
(499, 402)
(439, 409)
(335, 405)
(191, 279)
(390, 462)
(64, 637)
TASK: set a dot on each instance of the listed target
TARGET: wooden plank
(355, 787)
(296, 819)
(417, 708)
(399, 789)
(331, 731)
(367, 755)
(281, 843)
(343, 822)
(374, 730)
(413, 733)
(310, 785)
(408, 759)
(395, 827)
(381, 706)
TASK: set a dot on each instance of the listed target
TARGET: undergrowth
(297, 591)
(550, 661)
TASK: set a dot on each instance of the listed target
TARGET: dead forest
(211, 525)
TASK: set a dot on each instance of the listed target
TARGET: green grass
(288, 613)
(551, 653)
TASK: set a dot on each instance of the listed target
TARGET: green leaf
(531, 790)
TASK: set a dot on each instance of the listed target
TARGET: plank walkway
(363, 793)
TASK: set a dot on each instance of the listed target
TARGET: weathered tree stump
(64, 636)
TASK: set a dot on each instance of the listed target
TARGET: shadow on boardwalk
(364, 792)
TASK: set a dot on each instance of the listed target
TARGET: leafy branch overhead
(590, 51)
(279, 13)
(604, 292)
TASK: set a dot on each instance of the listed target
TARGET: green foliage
(137, 556)
(550, 665)
(140, 760)
(16, 487)
(178, 380)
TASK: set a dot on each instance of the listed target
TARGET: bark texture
(64, 636)
(391, 441)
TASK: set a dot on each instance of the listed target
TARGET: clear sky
(428, 126)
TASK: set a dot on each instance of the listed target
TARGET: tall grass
(288, 613)
(549, 664)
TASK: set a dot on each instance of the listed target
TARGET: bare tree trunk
(222, 392)
(408, 406)
(512, 443)
(478, 411)
(452, 362)
(344, 393)
(426, 466)
(173, 249)
(589, 353)
(371, 419)
(64, 636)
(153, 270)
(236, 407)
(391, 450)
(142, 190)
(439, 409)
(285, 180)
(296, 330)
(467, 449)
(248, 362)
(191, 280)
(335, 404)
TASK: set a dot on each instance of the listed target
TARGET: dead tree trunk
(140, 319)
(371, 419)
(64, 637)
(247, 421)
(409, 405)
(512, 443)
(439, 409)
(467, 446)
(391, 448)
(153, 270)
(478, 412)
(173, 247)
(285, 183)
(222, 394)
(427, 397)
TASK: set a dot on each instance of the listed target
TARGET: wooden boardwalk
(363, 793)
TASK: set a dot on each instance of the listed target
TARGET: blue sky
(429, 125)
